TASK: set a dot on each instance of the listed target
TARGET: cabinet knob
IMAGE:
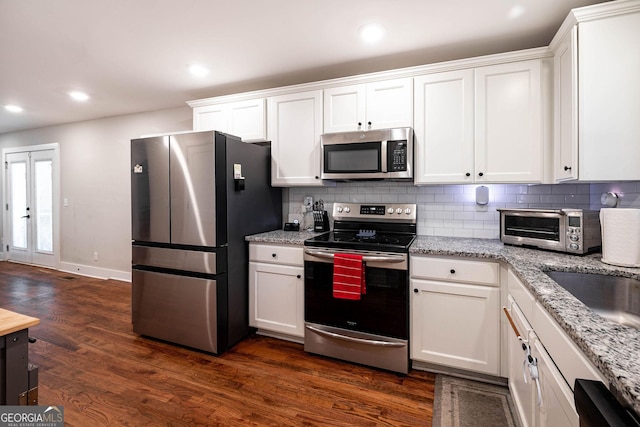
(467, 174)
(317, 177)
(481, 174)
(359, 124)
(299, 276)
(452, 271)
(567, 168)
(415, 291)
(274, 255)
(369, 124)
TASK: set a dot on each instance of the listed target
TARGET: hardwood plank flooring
(92, 363)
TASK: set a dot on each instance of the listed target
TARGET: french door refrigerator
(194, 197)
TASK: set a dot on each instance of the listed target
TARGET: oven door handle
(366, 258)
(354, 339)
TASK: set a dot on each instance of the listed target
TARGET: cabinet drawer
(276, 254)
(455, 270)
(569, 359)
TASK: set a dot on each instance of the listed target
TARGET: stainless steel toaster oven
(575, 231)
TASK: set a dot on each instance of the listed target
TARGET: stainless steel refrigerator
(194, 197)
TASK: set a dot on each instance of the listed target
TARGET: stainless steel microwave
(573, 231)
(374, 154)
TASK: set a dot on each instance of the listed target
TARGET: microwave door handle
(383, 156)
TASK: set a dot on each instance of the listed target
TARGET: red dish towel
(348, 276)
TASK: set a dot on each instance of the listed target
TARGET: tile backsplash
(450, 210)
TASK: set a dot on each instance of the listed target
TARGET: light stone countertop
(612, 348)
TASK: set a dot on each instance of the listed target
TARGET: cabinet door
(444, 133)
(522, 391)
(389, 104)
(456, 325)
(276, 298)
(211, 117)
(509, 137)
(565, 69)
(556, 407)
(247, 119)
(344, 109)
(295, 126)
(609, 98)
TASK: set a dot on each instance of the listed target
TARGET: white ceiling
(131, 55)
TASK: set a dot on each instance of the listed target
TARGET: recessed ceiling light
(516, 11)
(371, 33)
(14, 108)
(198, 70)
(78, 96)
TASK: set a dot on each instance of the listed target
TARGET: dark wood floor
(92, 363)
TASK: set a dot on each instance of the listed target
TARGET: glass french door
(30, 207)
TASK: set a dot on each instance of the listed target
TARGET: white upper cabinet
(597, 98)
(377, 105)
(481, 125)
(565, 80)
(295, 126)
(246, 119)
(509, 125)
(443, 130)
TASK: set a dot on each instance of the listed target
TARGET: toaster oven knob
(574, 237)
(574, 246)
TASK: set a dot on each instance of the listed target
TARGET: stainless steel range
(357, 286)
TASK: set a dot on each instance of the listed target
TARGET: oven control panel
(405, 212)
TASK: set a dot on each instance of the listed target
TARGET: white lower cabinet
(549, 402)
(455, 320)
(276, 289)
(559, 362)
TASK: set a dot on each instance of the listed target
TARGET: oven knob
(399, 211)
(390, 211)
(574, 237)
(339, 209)
(347, 209)
(574, 246)
(407, 211)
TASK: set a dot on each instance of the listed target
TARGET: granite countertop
(613, 349)
(282, 237)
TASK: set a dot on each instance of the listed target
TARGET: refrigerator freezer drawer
(175, 259)
(174, 308)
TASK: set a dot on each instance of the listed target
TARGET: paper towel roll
(620, 236)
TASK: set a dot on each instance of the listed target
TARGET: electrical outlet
(95, 256)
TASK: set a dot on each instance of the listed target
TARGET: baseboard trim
(99, 273)
(459, 373)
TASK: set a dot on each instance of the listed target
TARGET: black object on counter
(291, 226)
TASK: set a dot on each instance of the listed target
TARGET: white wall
(95, 179)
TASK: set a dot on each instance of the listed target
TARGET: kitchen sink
(614, 298)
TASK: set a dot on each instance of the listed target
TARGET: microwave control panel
(397, 157)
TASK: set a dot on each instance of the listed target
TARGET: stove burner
(378, 239)
(344, 237)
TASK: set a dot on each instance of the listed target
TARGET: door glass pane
(44, 205)
(18, 202)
